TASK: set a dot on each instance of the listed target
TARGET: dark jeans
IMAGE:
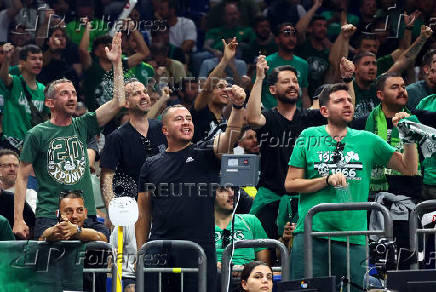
(185, 258)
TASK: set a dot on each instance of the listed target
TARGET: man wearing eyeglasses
(332, 164)
(286, 39)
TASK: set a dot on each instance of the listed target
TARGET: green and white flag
(424, 136)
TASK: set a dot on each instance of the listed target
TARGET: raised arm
(304, 21)
(408, 57)
(142, 225)
(8, 50)
(20, 227)
(158, 106)
(347, 69)
(141, 51)
(107, 111)
(407, 162)
(254, 109)
(338, 50)
(224, 142)
(203, 97)
(85, 56)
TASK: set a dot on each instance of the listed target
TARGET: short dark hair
(248, 268)
(30, 48)
(361, 55)
(167, 109)
(278, 28)
(324, 96)
(70, 194)
(366, 36)
(381, 80)
(258, 19)
(428, 57)
(103, 39)
(4, 152)
(316, 17)
(128, 81)
(273, 76)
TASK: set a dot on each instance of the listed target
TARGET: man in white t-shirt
(183, 32)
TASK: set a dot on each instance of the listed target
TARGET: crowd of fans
(312, 86)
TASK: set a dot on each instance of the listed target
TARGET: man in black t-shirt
(7, 210)
(121, 161)
(176, 191)
(276, 131)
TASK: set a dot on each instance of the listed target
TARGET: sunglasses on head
(288, 32)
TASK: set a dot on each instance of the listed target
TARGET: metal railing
(360, 206)
(225, 267)
(413, 228)
(178, 244)
(99, 245)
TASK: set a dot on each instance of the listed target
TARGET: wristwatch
(79, 230)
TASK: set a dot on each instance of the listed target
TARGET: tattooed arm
(409, 56)
(106, 185)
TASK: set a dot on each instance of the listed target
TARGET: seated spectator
(247, 8)
(5, 230)
(163, 36)
(188, 93)
(24, 101)
(72, 221)
(85, 10)
(61, 58)
(182, 30)
(247, 227)
(173, 71)
(9, 163)
(256, 276)
(249, 142)
(263, 44)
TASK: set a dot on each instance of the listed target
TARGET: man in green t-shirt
(247, 227)
(429, 164)
(17, 113)
(285, 36)
(335, 169)
(56, 149)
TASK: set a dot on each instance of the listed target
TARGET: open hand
(230, 49)
(114, 54)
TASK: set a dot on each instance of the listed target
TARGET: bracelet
(347, 79)
(237, 106)
(327, 180)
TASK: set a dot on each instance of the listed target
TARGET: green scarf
(377, 124)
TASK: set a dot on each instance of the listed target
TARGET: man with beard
(207, 113)
(56, 149)
(423, 88)
(285, 36)
(24, 94)
(317, 171)
(121, 161)
(276, 132)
